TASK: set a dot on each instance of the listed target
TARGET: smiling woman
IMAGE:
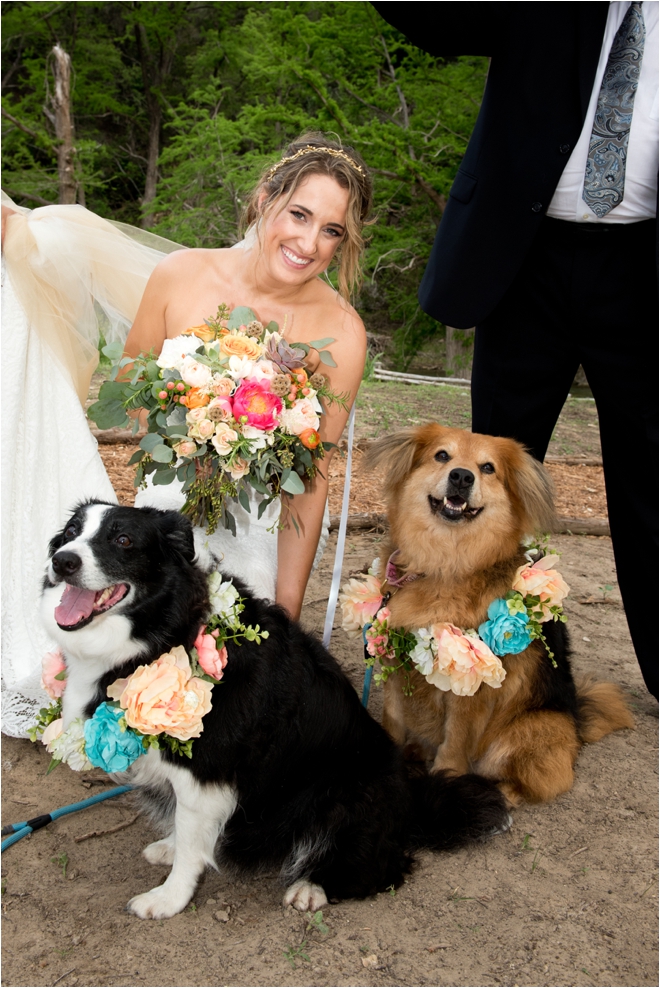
(307, 211)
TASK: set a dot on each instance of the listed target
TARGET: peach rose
(185, 448)
(302, 416)
(163, 698)
(239, 346)
(463, 662)
(360, 599)
(211, 659)
(238, 468)
(543, 581)
(53, 665)
(52, 732)
(222, 386)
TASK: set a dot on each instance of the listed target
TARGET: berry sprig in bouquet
(231, 406)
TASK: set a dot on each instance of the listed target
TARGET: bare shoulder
(191, 261)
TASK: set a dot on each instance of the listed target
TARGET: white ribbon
(341, 537)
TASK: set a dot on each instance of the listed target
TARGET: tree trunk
(458, 353)
(61, 101)
(153, 152)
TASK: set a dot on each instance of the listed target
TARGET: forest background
(178, 106)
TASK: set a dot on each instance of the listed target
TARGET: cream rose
(239, 468)
(300, 417)
(224, 436)
(194, 373)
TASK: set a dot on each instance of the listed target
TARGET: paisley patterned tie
(606, 165)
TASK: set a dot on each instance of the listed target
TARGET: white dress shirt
(640, 187)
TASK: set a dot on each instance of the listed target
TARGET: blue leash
(18, 830)
(368, 672)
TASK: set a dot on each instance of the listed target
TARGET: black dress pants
(587, 294)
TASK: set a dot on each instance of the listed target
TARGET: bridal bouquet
(231, 407)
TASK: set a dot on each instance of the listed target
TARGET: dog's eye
(70, 532)
(487, 468)
(443, 456)
(123, 541)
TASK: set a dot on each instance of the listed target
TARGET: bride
(307, 209)
(62, 263)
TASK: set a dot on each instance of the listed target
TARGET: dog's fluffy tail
(450, 810)
(601, 709)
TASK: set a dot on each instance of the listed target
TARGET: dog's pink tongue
(75, 605)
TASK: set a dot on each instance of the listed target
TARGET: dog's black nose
(65, 563)
(461, 479)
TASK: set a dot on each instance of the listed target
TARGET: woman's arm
(296, 551)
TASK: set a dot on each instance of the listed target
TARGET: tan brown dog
(459, 505)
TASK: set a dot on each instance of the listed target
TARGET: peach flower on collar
(53, 665)
(463, 662)
(542, 580)
(163, 698)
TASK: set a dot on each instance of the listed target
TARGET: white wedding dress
(50, 462)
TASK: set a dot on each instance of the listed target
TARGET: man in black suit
(548, 244)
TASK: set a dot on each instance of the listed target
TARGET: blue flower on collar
(109, 744)
(505, 633)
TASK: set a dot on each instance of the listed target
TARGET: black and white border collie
(290, 772)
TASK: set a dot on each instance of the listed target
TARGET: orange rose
(240, 346)
(194, 399)
(202, 332)
(163, 698)
(310, 438)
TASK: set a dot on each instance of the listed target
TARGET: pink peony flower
(163, 698)
(53, 665)
(360, 600)
(254, 402)
(211, 659)
(463, 662)
(542, 580)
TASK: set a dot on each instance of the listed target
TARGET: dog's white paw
(305, 896)
(159, 903)
(161, 852)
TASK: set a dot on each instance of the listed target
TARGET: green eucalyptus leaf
(161, 419)
(108, 414)
(326, 358)
(272, 327)
(244, 500)
(230, 522)
(163, 477)
(240, 316)
(293, 484)
(136, 457)
(319, 344)
(113, 351)
(150, 441)
(162, 454)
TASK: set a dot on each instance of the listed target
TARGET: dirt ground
(567, 897)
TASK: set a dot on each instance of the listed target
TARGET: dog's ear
(398, 451)
(533, 486)
(178, 533)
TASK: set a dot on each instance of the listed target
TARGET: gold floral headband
(308, 149)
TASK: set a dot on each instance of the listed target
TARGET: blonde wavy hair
(315, 154)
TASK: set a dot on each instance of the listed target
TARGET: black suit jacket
(543, 64)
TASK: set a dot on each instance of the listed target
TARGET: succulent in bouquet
(231, 406)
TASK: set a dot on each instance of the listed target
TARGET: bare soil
(567, 897)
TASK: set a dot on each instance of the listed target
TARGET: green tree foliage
(212, 91)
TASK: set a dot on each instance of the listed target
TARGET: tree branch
(26, 130)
